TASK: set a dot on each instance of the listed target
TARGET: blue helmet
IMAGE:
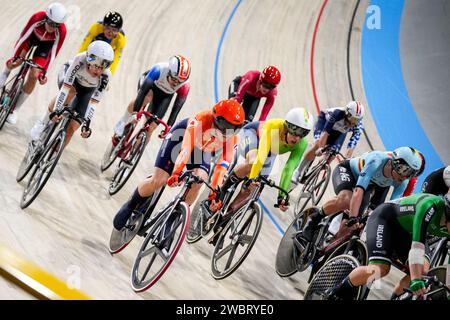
(407, 161)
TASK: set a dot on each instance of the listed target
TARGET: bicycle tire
(330, 275)
(59, 138)
(113, 190)
(182, 210)
(256, 212)
(107, 160)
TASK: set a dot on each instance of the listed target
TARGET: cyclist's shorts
(386, 239)
(343, 178)
(171, 147)
(161, 100)
(335, 139)
(249, 141)
(42, 51)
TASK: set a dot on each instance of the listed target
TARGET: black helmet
(113, 19)
(447, 206)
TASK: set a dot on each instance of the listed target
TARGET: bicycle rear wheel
(126, 166)
(331, 274)
(43, 169)
(159, 248)
(241, 231)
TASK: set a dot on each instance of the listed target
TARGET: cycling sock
(4, 76)
(23, 96)
(125, 212)
(126, 116)
(304, 165)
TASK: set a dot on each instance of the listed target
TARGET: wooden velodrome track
(66, 230)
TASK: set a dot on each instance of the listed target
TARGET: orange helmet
(228, 115)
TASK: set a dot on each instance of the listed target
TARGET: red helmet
(228, 115)
(271, 75)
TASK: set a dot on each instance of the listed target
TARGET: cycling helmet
(406, 161)
(299, 122)
(56, 13)
(229, 116)
(446, 176)
(422, 167)
(113, 19)
(179, 68)
(271, 76)
(447, 206)
(355, 110)
(100, 54)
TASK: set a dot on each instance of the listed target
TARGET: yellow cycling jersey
(96, 32)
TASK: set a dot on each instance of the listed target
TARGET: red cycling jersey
(36, 27)
(248, 86)
(202, 134)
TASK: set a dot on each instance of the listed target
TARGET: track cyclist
(437, 182)
(261, 142)
(400, 229)
(331, 130)
(156, 87)
(254, 85)
(352, 177)
(82, 83)
(190, 144)
(46, 31)
(110, 31)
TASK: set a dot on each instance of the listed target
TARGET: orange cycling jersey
(202, 134)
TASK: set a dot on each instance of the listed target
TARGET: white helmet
(56, 12)
(100, 54)
(179, 68)
(407, 161)
(446, 176)
(299, 121)
(355, 109)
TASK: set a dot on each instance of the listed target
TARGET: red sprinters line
(312, 55)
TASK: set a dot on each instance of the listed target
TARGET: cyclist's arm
(97, 96)
(223, 164)
(38, 16)
(399, 189)
(270, 100)
(292, 163)
(187, 146)
(242, 89)
(118, 52)
(354, 139)
(262, 152)
(152, 76)
(182, 94)
(94, 30)
(69, 80)
(362, 183)
(57, 46)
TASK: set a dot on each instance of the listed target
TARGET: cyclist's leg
(10, 65)
(232, 89)
(158, 107)
(382, 230)
(40, 57)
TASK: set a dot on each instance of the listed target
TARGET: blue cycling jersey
(369, 168)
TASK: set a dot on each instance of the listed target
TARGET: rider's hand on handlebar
(164, 133)
(319, 152)
(55, 117)
(42, 78)
(353, 223)
(86, 131)
(282, 204)
(417, 286)
(174, 181)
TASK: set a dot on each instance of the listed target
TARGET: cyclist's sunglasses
(267, 85)
(297, 131)
(52, 23)
(98, 63)
(403, 169)
(175, 80)
(226, 127)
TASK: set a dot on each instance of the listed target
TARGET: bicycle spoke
(149, 265)
(230, 259)
(224, 251)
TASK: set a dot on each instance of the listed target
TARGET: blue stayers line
(385, 88)
(216, 96)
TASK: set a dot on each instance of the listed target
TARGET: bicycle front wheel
(8, 101)
(126, 166)
(331, 274)
(43, 169)
(194, 232)
(235, 241)
(159, 248)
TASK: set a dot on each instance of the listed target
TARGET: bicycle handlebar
(272, 184)
(31, 63)
(72, 114)
(429, 281)
(152, 117)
